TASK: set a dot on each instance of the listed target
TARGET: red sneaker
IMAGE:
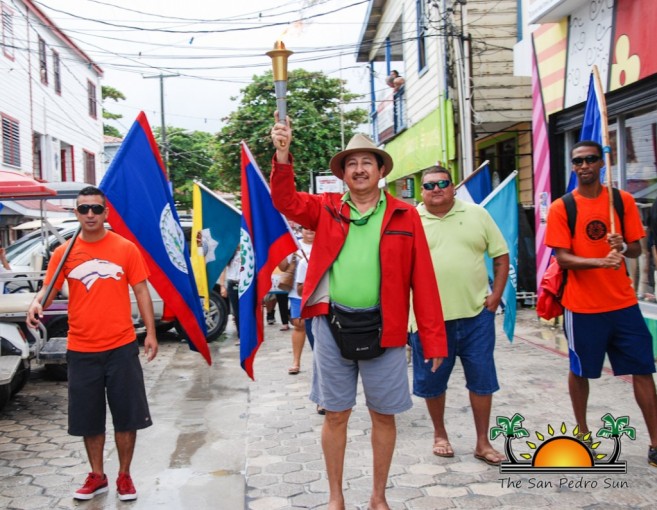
(125, 488)
(93, 485)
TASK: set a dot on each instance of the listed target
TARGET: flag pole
(472, 174)
(606, 149)
(210, 192)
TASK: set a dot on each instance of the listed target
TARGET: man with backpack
(602, 314)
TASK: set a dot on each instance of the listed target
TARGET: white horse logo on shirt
(90, 271)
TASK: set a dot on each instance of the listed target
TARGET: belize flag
(215, 236)
(476, 187)
(142, 210)
(502, 205)
(265, 240)
(591, 127)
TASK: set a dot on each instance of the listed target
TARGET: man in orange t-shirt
(602, 314)
(102, 350)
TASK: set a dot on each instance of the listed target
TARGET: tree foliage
(313, 103)
(108, 92)
(190, 158)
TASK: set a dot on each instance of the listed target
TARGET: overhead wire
(207, 31)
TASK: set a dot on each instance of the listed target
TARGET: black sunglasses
(589, 159)
(359, 222)
(442, 184)
(94, 208)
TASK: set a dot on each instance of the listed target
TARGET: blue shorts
(335, 379)
(295, 308)
(621, 334)
(472, 340)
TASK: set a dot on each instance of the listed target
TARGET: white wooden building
(461, 103)
(50, 99)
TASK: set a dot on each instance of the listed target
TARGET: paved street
(223, 442)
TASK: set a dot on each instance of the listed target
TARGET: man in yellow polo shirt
(369, 252)
(459, 234)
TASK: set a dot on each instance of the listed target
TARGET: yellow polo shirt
(458, 242)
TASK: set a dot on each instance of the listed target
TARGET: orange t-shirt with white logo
(99, 275)
(594, 290)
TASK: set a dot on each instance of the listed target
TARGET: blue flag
(215, 234)
(502, 205)
(142, 210)
(265, 241)
(591, 127)
(476, 187)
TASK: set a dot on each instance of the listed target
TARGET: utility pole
(165, 145)
(464, 91)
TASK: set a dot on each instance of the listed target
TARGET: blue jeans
(472, 340)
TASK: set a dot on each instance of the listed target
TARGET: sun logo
(563, 453)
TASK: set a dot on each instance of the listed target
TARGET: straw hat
(359, 143)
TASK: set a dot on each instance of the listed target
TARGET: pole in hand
(279, 56)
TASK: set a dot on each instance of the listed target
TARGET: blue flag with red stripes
(142, 210)
(265, 240)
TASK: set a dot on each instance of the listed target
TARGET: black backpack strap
(619, 206)
(571, 211)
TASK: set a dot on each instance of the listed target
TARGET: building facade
(50, 99)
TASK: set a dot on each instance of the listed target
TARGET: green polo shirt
(458, 242)
(355, 276)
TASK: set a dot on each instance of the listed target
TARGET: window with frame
(56, 72)
(11, 154)
(67, 162)
(7, 31)
(37, 162)
(421, 34)
(43, 62)
(502, 158)
(89, 168)
(91, 97)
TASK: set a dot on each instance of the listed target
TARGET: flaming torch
(279, 57)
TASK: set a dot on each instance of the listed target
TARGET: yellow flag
(197, 255)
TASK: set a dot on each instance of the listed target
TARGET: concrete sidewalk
(223, 442)
(285, 468)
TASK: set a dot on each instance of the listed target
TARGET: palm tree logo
(511, 429)
(616, 429)
(562, 453)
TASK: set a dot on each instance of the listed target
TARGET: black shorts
(117, 371)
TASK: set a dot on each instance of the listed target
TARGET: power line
(207, 31)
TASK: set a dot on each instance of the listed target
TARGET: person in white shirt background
(299, 330)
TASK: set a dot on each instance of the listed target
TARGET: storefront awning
(15, 185)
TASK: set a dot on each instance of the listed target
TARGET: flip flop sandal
(293, 370)
(443, 444)
(486, 458)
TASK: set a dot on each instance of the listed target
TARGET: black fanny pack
(357, 331)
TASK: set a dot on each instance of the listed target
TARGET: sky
(211, 50)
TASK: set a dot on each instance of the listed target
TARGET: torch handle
(280, 87)
(281, 106)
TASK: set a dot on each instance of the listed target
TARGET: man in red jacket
(369, 252)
